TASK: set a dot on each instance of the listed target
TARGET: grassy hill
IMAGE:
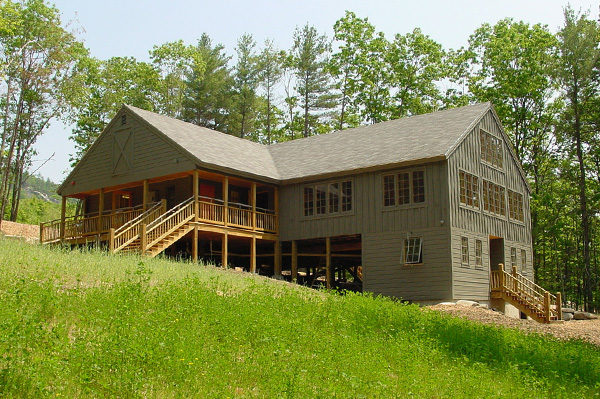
(77, 324)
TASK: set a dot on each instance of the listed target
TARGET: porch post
(224, 251)
(63, 210)
(253, 255)
(277, 260)
(195, 243)
(294, 260)
(328, 272)
(114, 200)
(276, 206)
(225, 200)
(253, 203)
(145, 195)
(100, 210)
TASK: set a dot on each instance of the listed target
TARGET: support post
(514, 273)
(547, 306)
(328, 271)
(253, 203)
(41, 233)
(145, 195)
(100, 211)
(196, 215)
(111, 240)
(276, 206)
(114, 201)
(253, 255)
(277, 260)
(225, 200)
(501, 276)
(294, 261)
(224, 260)
(195, 245)
(143, 239)
(63, 211)
(559, 305)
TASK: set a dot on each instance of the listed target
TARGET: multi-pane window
(515, 205)
(309, 204)
(494, 198)
(478, 254)
(513, 257)
(469, 189)
(334, 197)
(322, 199)
(523, 260)
(464, 251)
(389, 191)
(491, 149)
(346, 196)
(413, 250)
(418, 186)
(404, 188)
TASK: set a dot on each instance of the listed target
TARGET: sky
(131, 28)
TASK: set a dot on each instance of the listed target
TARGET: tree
(577, 74)
(309, 60)
(245, 84)
(269, 74)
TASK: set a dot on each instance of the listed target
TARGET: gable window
(404, 188)
(464, 251)
(515, 206)
(491, 149)
(494, 200)
(478, 254)
(413, 250)
(469, 189)
(523, 260)
(513, 257)
(322, 199)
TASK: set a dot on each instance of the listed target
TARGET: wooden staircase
(168, 228)
(127, 237)
(525, 295)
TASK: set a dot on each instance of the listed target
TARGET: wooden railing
(88, 224)
(238, 216)
(266, 221)
(130, 231)
(177, 216)
(211, 210)
(529, 293)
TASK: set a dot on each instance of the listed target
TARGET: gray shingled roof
(419, 137)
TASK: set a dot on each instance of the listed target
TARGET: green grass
(77, 324)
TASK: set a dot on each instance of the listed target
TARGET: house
(423, 208)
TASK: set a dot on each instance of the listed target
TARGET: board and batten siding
(383, 231)
(150, 155)
(476, 223)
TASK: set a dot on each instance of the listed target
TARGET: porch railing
(130, 231)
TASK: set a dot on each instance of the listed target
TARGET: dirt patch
(587, 330)
(30, 232)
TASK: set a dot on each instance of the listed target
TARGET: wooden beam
(100, 209)
(195, 245)
(253, 203)
(225, 200)
(145, 194)
(143, 238)
(195, 190)
(294, 260)
(277, 258)
(559, 305)
(224, 260)
(63, 211)
(253, 255)
(328, 271)
(114, 197)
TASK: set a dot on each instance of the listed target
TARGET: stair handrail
(130, 231)
(167, 215)
(139, 218)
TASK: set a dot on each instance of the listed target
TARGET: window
(491, 149)
(413, 251)
(309, 205)
(418, 185)
(334, 197)
(464, 251)
(404, 188)
(389, 191)
(515, 206)
(494, 200)
(322, 199)
(469, 189)
(513, 257)
(123, 119)
(346, 196)
(523, 260)
(478, 254)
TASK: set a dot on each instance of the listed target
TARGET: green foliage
(35, 210)
(78, 324)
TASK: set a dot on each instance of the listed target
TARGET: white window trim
(411, 203)
(405, 251)
(479, 191)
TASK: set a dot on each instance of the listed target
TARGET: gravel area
(30, 232)
(587, 330)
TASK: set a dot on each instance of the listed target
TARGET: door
(496, 252)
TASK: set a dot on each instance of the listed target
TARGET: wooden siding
(384, 272)
(368, 213)
(149, 155)
(476, 223)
